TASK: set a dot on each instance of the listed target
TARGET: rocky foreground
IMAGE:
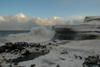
(50, 54)
(22, 49)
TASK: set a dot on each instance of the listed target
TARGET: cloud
(76, 19)
(21, 18)
(22, 22)
(1, 18)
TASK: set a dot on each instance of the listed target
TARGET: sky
(23, 14)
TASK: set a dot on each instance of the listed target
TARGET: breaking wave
(36, 34)
(41, 31)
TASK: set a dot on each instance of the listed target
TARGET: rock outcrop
(91, 18)
(91, 61)
(22, 47)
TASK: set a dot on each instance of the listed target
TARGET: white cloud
(20, 15)
(20, 21)
(1, 18)
(49, 21)
(21, 18)
(76, 19)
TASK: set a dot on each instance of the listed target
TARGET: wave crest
(37, 34)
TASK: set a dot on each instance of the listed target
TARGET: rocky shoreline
(24, 49)
(28, 51)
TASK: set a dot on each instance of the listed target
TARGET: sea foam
(36, 34)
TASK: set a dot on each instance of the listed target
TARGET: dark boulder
(2, 49)
(58, 65)
(92, 61)
(25, 52)
(33, 65)
(37, 45)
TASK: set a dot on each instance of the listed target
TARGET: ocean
(4, 33)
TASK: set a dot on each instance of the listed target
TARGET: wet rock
(45, 51)
(43, 46)
(92, 61)
(8, 50)
(33, 65)
(23, 47)
(32, 44)
(10, 65)
(37, 45)
(24, 52)
(2, 49)
(11, 47)
(37, 49)
(9, 44)
(64, 51)
(58, 65)
(49, 44)
(75, 56)
(62, 58)
(16, 64)
(80, 57)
